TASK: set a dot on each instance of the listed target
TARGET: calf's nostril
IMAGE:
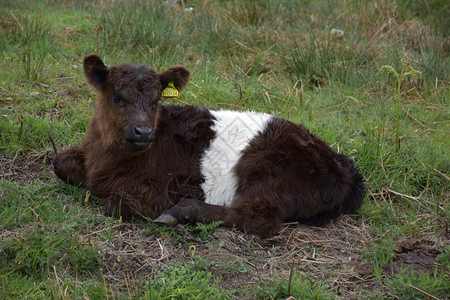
(143, 131)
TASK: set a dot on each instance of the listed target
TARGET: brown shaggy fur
(143, 158)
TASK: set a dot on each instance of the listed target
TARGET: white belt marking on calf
(234, 130)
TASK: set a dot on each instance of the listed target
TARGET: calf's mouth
(139, 137)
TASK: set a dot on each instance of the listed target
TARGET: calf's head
(127, 105)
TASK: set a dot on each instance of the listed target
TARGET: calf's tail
(53, 143)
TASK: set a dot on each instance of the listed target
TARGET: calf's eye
(156, 101)
(118, 98)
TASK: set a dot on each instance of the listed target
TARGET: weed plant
(406, 71)
(279, 57)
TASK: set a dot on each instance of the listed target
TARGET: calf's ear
(179, 75)
(95, 70)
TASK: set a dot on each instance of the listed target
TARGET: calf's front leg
(255, 216)
(136, 201)
(69, 166)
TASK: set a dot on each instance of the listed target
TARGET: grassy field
(318, 63)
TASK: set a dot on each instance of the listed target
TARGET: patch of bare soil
(415, 255)
(22, 170)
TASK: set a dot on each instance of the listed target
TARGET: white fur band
(234, 130)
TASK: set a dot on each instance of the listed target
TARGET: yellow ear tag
(170, 91)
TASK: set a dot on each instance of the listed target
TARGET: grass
(272, 56)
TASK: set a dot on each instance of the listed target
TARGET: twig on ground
(244, 260)
(422, 291)
(104, 229)
(38, 218)
(17, 21)
(268, 98)
(403, 195)
(442, 174)
(291, 272)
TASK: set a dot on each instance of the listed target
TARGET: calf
(186, 163)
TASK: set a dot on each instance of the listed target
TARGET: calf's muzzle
(139, 137)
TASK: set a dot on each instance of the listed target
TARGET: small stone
(337, 33)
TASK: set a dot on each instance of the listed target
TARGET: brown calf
(186, 164)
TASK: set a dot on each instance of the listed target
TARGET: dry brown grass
(331, 253)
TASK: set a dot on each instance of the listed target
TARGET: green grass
(301, 287)
(272, 56)
(189, 281)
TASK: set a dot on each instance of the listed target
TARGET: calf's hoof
(167, 219)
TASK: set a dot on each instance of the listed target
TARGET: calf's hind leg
(255, 216)
(69, 166)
